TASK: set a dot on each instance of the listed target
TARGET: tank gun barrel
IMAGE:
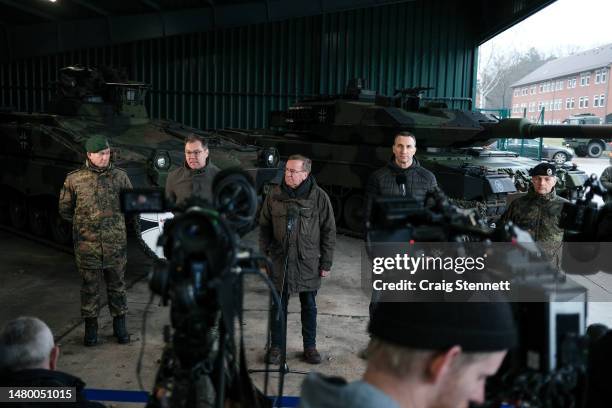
(525, 129)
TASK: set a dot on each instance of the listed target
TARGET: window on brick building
(596, 101)
(602, 100)
(585, 79)
(604, 75)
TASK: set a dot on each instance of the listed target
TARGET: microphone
(401, 181)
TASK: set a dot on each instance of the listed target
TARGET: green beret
(96, 143)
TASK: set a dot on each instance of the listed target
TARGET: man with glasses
(195, 177)
(298, 232)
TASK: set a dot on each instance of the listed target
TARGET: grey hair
(25, 342)
(306, 162)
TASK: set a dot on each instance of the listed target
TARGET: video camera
(548, 368)
(201, 278)
(588, 232)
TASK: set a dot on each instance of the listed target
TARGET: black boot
(91, 331)
(119, 330)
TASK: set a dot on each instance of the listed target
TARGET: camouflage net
(479, 206)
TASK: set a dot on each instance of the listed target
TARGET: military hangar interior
(218, 64)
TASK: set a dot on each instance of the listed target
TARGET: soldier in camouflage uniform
(539, 211)
(90, 201)
(606, 181)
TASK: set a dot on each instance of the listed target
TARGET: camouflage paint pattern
(349, 136)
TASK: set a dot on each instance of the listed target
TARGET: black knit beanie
(475, 326)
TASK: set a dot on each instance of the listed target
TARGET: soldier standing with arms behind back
(90, 201)
(539, 211)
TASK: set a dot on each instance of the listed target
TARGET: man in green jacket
(539, 211)
(195, 177)
(89, 200)
(298, 232)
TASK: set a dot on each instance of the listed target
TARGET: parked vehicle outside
(530, 147)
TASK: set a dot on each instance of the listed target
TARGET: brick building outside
(578, 84)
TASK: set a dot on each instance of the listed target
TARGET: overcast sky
(565, 24)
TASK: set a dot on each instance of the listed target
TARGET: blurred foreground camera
(201, 280)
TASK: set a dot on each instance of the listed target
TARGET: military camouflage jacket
(311, 242)
(184, 182)
(90, 200)
(538, 214)
(606, 180)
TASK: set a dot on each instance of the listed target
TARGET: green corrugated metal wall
(234, 77)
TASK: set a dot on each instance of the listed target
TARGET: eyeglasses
(291, 171)
(193, 153)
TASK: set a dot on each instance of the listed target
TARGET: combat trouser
(115, 290)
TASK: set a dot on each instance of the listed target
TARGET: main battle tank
(37, 150)
(349, 136)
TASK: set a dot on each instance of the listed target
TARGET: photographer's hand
(323, 273)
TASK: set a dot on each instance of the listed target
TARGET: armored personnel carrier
(349, 136)
(37, 150)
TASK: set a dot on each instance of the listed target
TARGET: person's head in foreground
(27, 343)
(423, 355)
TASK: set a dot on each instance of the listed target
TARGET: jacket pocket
(308, 240)
(279, 222)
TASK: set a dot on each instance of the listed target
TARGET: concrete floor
(30, 271)
(43, 282)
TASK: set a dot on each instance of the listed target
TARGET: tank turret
(349, 136)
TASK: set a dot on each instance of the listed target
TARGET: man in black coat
(28, 358)
(403, 175)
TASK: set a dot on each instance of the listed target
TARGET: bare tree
(500, 70)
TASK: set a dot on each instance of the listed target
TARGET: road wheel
(38, 219)
(354, 210)
(559, 157)
(581, 151)
(18, 211)
(595, 149)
